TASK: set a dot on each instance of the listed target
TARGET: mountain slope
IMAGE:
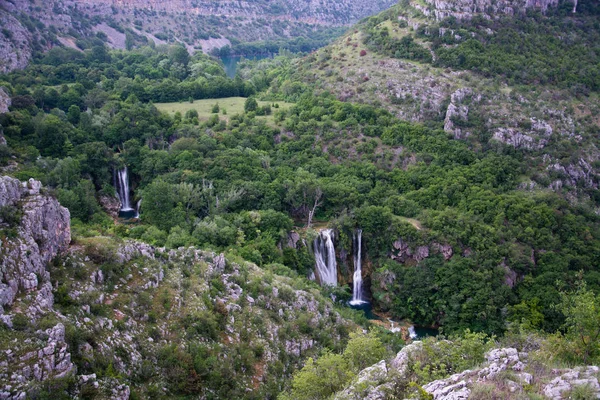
(518, 81)
(200, 25)
(127, 318)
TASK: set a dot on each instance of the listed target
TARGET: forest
(235, 182)
(527, 49)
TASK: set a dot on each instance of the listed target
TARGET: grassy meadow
(232, 105)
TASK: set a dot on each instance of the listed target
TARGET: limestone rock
(44, 231)
(293, 239)
(466, 9)
(581, 376)
(15, 50)
(5, 102)
(458, 110)
(110, 204)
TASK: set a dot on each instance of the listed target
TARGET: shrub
(20, 322)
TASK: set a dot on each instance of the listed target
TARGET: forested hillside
(448, 164)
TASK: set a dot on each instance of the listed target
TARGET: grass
(233, 105)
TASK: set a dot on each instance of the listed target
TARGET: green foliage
(20, 322)
(530, 50)
(363, 350)
(331, 372)
(582, 323)
(10, 215)
(441, 358)
(320, 379)
(251, 104)
(80, 200)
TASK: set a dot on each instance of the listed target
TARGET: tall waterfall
(357, 290)
(325, 258)
(122, 184)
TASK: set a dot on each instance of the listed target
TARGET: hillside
(411, 211)
(32, 27)
(516, 82)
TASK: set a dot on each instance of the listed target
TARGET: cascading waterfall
(121, 178)
(325, 258)
(122, 183)
(357, 290)
(412, 333)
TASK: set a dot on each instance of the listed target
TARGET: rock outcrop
(42, 232)
(458, 111)
(5, 102)
(403, 252)
(15, 46)
(465, 9)
(110, 204)
(505, 368)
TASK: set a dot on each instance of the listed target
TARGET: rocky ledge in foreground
(34, 229)
(506, 373)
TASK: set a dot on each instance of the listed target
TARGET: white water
(412, 333)
(394, 329)
(325, 258)
(357, 290)
(122, 182)
(137, 208)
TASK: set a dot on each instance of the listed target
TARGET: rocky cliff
(198, 24)
(41, 234)
(91, 318)
(462, 9)
(16, 48)
(505, 373)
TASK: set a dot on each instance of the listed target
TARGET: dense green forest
(502, 265)
(529, 49)
(239, 183)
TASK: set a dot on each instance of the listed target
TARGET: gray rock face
(367, 384)
(402, 251)
(293, 239)
(504, 366)
(16, 50)
(581, 376)
(110, 204)
(5, 102)
(51, 359)
(465, 9)
(44, 231)
(458, 110)
(574, 174)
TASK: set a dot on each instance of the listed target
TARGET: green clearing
(233, 105)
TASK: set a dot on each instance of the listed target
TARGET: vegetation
(235, 165)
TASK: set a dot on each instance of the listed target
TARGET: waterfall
(412, 333)
(325, 258)
(357, 290)
(122, 184)
(137, 208)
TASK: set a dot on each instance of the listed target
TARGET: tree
(160, 206)
(320, 379)
(251, 104)
(582, 320)
(74, 114)
(363, 350)
(51, 133)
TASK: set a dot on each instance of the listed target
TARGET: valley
(402, 208)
